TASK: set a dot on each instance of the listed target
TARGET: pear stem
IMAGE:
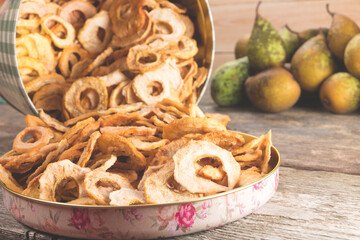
(290, 30)
(257, 8)
(328, 10)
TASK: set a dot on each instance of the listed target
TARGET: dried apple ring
(72, 97)
(142, 35)
(153, 86)
(160, 187)
(28, 44)
(126, 197)
(187, 48)
(52, 90)
(95, 35)
(45, 50)
(30, 14)
(130, 130)
(127, 17)
(112, 143)
(116, 98)
(180, 127)
(58, 175)
(172, 6)
(40, 135)
(76, 12)
(7, 178)
(69, 57)
(189, 25)
(114, 78)
(168, 24)
(187, 167)
(36, 84)
(69, 34)
(99, 184)
(35, 65)
(142, 58)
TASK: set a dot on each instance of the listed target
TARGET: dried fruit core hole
(156, 88)
(101, 34)
(211, 168)
(163, 28)
(67, 190)
(181, 45)
(147, 58)
(73, 59)
(89, 99)
(172, 184)
(57, 28)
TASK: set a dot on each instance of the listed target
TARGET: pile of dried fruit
(133, 154)
(274, 66)
(80, 56)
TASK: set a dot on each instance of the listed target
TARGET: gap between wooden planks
(234, 18)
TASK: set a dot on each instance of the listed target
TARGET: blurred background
(235, 18)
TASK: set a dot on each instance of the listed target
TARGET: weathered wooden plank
(235, 18)
(307, 205)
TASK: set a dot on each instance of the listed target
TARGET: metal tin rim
(273, 171)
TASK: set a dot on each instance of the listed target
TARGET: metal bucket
(11, 85)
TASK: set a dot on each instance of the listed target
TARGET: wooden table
(319, 192)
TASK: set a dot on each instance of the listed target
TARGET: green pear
(310, 33)
(227, 82)
(341, 31)
(352, 56)
(265, 48)
(241, 46)
(340, 93)
(312, 63)
(273, 90)
(291, 41)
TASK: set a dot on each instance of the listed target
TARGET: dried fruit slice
(69, 57)
(99, 184)
(187, 167)
(249, 176)
(37, 83)
(7, 178)
(96, 33)
(165, 153)
(72, 98)
(142, 58)
(187, 48)
(180, 127)
(76, 12)
(153, 86)
(130, 131)
(126, 197)
(88, 150)
(168, 24)
(68, 36)
(45, 51)
(112, 143)
(160, 187)
(127, 17)
(61, 175)
(40, 135)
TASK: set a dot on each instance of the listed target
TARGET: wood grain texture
(319, 192)
(235, 18)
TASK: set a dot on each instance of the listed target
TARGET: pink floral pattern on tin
(141, 222)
